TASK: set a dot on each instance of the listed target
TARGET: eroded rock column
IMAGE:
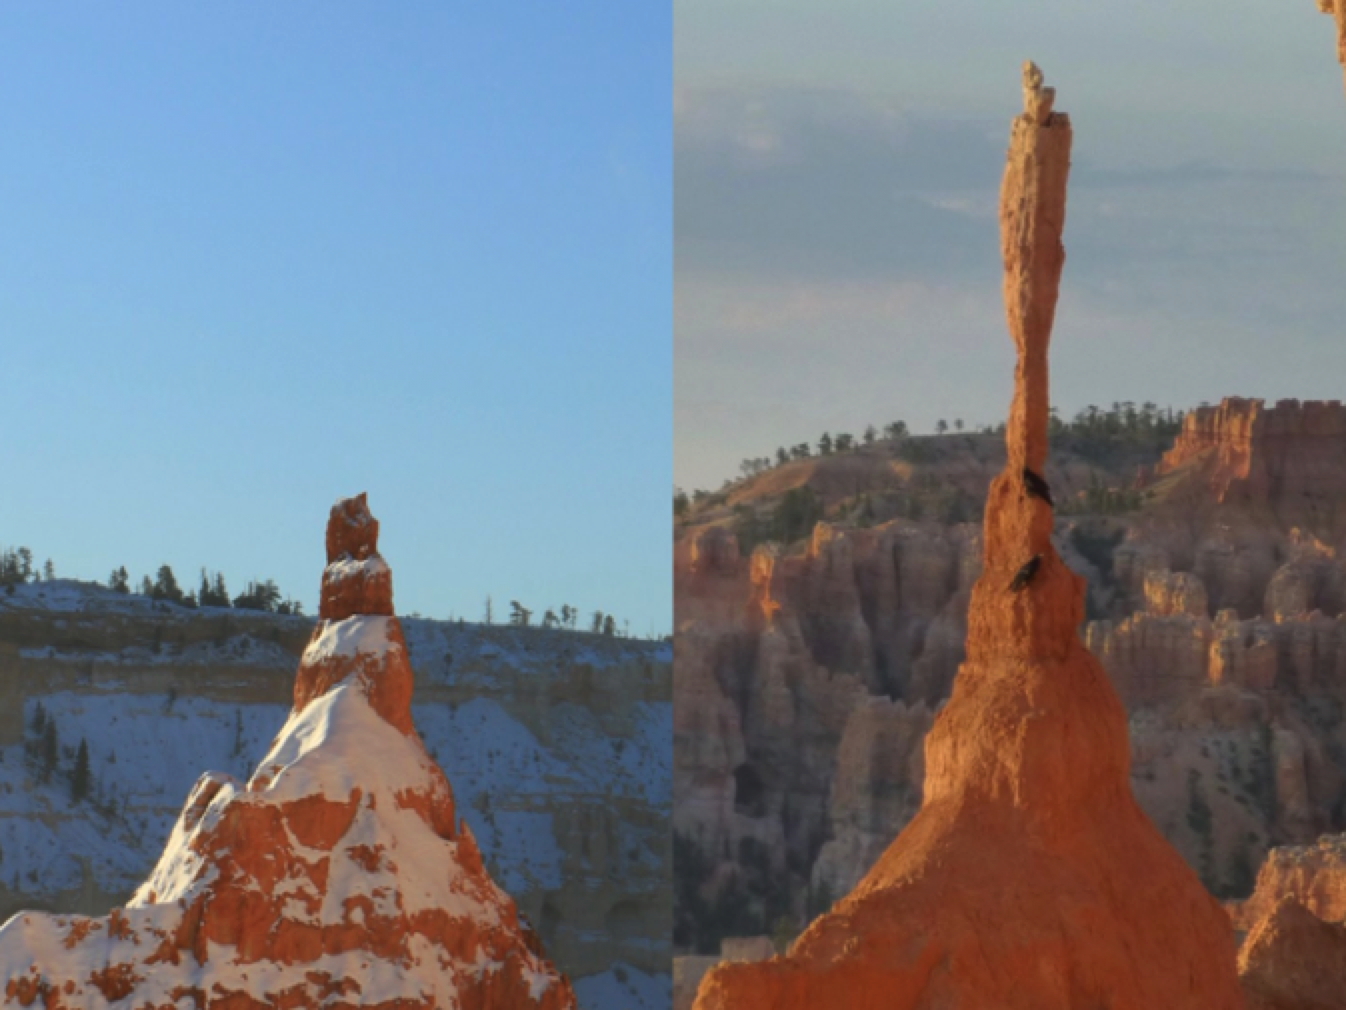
(1030, 879)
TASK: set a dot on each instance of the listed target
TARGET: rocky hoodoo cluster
(338, 876)
(1278, 458)
(805, 682)
(1294, 955)
(1030, 877)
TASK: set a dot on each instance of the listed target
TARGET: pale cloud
(837, 251)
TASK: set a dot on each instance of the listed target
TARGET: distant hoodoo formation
(1288, 456)
(1030, 878)
(338, 876)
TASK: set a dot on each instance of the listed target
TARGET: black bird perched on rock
(1025, 574)
(1037, 487)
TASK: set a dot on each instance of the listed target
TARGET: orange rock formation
(1313, 875)
(1294, 957)
(1030, 878)
(1293, 960)
(339, 876)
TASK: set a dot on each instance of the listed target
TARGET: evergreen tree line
(212, 592)
(792, 518)
(1092, 432)
(16, 568)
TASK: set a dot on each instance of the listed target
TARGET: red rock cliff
(1290, 456)
(338, 876)
(1030, 877)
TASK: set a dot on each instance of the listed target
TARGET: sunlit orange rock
(1280, 461)
(1030, 878)
(1292, 960)
(1314, 875)
(338, 876)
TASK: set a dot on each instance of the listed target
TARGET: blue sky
(837, 167)
(258, 257)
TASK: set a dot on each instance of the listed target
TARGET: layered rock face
(1313, 875)
(1294, 956)
(1030, 877)
(1293, 960)
(339, 875)
(1288, 457)
(791, 757)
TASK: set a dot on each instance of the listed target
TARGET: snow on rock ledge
(339, 876)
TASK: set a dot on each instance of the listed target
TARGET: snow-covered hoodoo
(338, 876)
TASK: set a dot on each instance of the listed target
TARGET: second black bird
(1037, 487)
(1025, 574)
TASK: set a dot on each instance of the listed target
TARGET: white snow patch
(355, 636)
(345, 568)
(336, 744)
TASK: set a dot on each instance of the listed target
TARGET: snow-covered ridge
(346, 568)
(418, 916)
(557, 745)
(355, 636)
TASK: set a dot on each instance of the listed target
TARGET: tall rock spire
(358, 635)
(338, 876)
(1030, 879)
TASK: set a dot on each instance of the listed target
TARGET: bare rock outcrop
(879, 772)
(1030, 877)
(1169, 593)
(1294, 955)
(1293, 960)
(1284, 459)
(338, 876)
(1313, 875)
(775, 653)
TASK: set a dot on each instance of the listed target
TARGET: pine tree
(166, 586)
(259, 596)
(79, 780)
(50, 750)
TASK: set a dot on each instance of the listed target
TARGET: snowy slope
(481, 721)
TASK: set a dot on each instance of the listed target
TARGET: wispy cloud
(837, 262)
